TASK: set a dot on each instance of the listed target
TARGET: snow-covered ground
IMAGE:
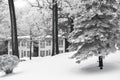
(60, 67)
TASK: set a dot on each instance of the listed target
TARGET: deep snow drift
(60, 67)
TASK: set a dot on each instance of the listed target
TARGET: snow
(21, 37)
(60, 67)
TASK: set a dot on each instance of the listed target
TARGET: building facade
(23, 46)
(42, 48)
(45, 46)
(3, 47)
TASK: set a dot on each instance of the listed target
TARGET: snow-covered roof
(21, 37)
(49, 36)
(37, 38)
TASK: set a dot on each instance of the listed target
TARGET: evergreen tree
(96, 30)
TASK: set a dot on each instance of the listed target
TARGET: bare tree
(54, 7)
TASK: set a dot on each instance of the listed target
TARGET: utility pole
(13, 28)
(55, 47)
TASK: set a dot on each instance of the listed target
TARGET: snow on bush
(8, 63)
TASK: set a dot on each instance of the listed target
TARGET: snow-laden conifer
(96, 30)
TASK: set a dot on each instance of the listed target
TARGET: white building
(42, 48)
(45, 46)
(23, 46)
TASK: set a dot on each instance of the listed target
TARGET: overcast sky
(22, 3)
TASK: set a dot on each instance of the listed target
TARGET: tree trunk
(70, 23)
(66, 45)
(101, 62)
(55, 47)
(13, 28)
(9, 71)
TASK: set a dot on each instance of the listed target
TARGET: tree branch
(69, 4)
(38, 4)
(50, 5)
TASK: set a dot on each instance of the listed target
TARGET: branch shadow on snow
(93, 68)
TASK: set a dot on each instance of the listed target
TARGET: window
(23, 43)
(42, 44)
(60, 43)
(18, 43)
(48, 42)
(28, 44)
(28, 53)
(61, 51)
(10, 53)
(42, 53)
(10, 45)
(47, 53)
(22, 54)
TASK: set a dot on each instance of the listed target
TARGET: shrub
(8, 63)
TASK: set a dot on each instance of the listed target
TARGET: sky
(22, 3)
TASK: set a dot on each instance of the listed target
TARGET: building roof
(37, 38)
(20, 37)
(48, 37)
